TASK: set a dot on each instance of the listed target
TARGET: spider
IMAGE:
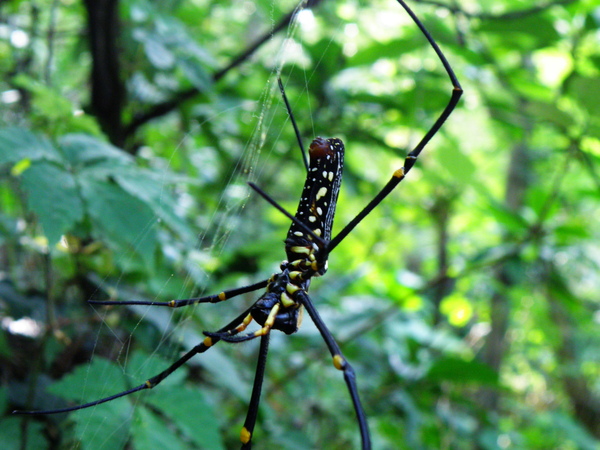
(307, 246)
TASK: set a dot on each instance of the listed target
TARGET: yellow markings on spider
(339, 362)
(291, 288)
(222, 296)
(286, 300)
(242, 326)
(208, 342)
(399, 173)
(321, 193)
(300, 316)
(149, 385)
(301, 250)
(245, 435)
(269, 322)
(172, 303)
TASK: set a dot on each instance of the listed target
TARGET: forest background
(468, 302)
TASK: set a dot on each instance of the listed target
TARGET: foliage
(467, 302)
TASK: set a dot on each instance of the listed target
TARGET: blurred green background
(468, 302)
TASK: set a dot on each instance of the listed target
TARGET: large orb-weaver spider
(307, 247)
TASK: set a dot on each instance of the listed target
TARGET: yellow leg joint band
(245, 435)
(222, 296)
(339, 362)
(208, 342)
(399, 173)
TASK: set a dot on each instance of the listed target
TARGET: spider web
(269, 153)
(181, 328)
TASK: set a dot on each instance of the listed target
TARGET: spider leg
(233, 336)
(412, 156)
(155, 380)
(287, 214)
(215, 298)
(251, 415)
(340, 363)
(294, 124)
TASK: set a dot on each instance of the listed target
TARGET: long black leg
(287, 214)
(215, 298)
(342, 364)
(411, 158)
(155, 380)
(248, 429)
(296, 130)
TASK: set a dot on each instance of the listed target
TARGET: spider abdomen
(316, 208)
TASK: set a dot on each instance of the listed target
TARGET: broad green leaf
(196, 73)
(149, 431)
(531, 31)
(53, 195)
(193, 415)
(105, 426)
(156, 51)
(83, 149)
(150, 187)
(142, 366)
(125, 222)
(88, 382)
(17, 144)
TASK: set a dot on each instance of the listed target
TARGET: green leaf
(52, 194)
(587, 92)
(192, 414)
(523, 32)
(17, 144)
(461, 371)
(149, 187)
(89, 382)
(105, 426)
(196, 73)
(156, 51)
(124, 221)
(149, 431)
(83, 149)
